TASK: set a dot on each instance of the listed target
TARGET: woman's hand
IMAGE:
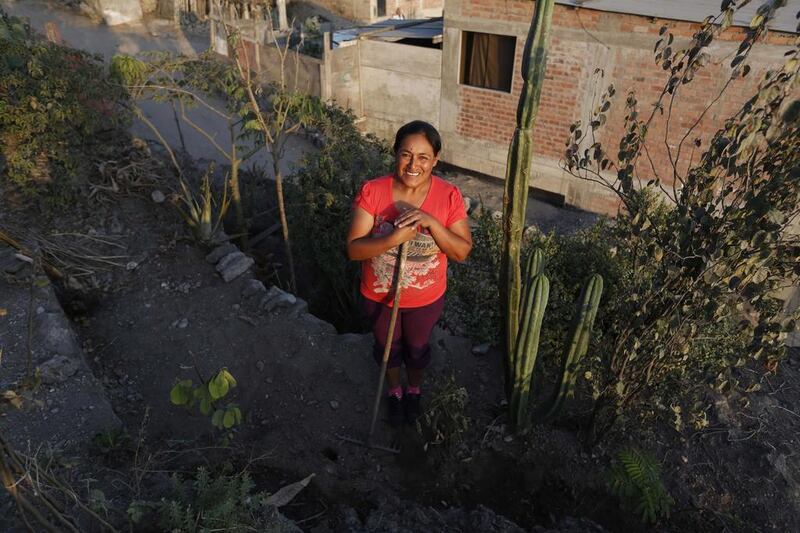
(404, 234)
(414, 218)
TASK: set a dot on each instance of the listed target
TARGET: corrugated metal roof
(691, 10)
(393, 30)
(432, 29)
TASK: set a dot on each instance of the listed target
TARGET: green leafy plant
(112, 441)
(636, 481)
(711, 239)
(186, 83)
(444, 422)
(205, 214)
(211, 502)
(58, 112)
(325, 186)
(220, 500)
(207, 395)
(472, 306)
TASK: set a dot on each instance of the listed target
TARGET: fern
(636, 481)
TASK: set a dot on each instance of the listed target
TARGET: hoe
(401, 263)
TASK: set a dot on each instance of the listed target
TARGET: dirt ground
(168, 315)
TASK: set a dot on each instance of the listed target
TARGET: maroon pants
(412, 332)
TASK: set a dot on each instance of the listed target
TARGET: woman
(409, 205)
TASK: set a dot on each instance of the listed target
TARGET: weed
(636, 481)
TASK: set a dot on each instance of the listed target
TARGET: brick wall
(488, 115)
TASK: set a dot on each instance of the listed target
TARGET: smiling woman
(409, 206)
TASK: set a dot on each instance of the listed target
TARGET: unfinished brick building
(481, 81)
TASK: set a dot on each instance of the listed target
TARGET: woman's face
(414, 160)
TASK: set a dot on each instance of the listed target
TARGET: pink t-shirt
(425, 278)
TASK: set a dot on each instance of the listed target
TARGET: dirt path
(80, 32)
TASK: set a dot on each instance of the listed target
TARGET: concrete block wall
(400, 83)
(478, 123)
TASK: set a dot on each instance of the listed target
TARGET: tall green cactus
(522, 360)
(520, 155)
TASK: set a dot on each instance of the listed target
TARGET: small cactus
(579, 344)
(522, 360)
(532, 312)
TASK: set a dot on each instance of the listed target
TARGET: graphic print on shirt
(422, 260)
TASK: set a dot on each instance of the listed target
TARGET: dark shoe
(395, 408)
(413, 410)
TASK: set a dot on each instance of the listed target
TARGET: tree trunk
(283, 24)
(284, 224)
(236, 193)
(520, 156)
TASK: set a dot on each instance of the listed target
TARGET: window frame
(462, 71)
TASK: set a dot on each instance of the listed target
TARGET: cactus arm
(520, 155)
(578, 346)
(534, 265)
(527, 348)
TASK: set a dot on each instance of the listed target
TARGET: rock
(14, 266)
(467, 204)
(221, 251)
(220, 237)
(334, 404)
(58, 369)
(253, 287)
(182, 323)
(234, 265)
(276, 298)
(531, 232)
(55, 334)
(260, 366)
(158, 196)
(481, 349)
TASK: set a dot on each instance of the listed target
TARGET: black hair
(419, 126)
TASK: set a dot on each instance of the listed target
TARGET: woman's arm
(360, 245)
(455, 241)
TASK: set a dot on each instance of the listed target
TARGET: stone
(531, 232)
(276, 298)
(467, 204)
(334, 404)
(481, 349)
(234, 265)
(158, 196)
(221, 251)
(252, 288)
(183, 323)
(220, 237)
(58, 369)
(55, 333)
(260, 366)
